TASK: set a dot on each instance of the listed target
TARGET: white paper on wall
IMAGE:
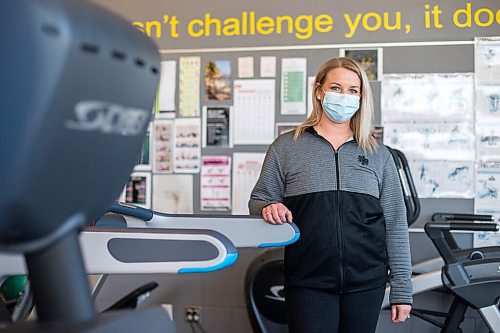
(144, 158)
(427, 97)
(254, 108)
(487, 60)
(187, 147)
(173, 194)
(487, 200)
(189, 86)
(245, 67)
(215, 183)
(293, 86)
(487, 104)
(246, 171)
(162, 143)
(166, 94)
(310, 89)
(268, 66)
(430, 118)
(488, 142)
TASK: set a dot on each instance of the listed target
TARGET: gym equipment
(436, 263)
(474, 282)
(410, 196)
(154, 251)
(241, 230)
(81, 87)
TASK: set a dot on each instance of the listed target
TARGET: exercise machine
(81, 83)
(242, 231)
(81, 88)
(474, 282)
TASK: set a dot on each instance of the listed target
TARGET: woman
(344, 192)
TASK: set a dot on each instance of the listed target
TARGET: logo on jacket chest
(363, 160)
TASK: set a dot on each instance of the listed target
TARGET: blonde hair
(361, 121)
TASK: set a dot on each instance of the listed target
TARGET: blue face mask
(340, 107)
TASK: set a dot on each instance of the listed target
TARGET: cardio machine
(474, 281)
(80, 86)
(82, 83)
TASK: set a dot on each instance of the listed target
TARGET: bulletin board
(223, 63)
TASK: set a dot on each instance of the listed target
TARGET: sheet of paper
(166, 95)
(144, 158)
(137, 191)
(432, 141)
(487, 104)
(187, 150)
(163, 137)
(310, 89)
(427, 97)
(189, 86)
(245, 67)
(215, 183)
(430, 118)
(488, 142)
(293, 86)
(254, 108)
(246, 171)
(217, 126)
(487, 60)
(173, 194)
(487, 200)
(268, 66)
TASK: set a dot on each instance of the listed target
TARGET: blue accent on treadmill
(228, 261)
(130, 210)
(291, 241)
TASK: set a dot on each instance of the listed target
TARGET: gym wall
(415, 36)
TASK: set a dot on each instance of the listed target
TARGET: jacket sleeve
(270, 186)
(397, 238)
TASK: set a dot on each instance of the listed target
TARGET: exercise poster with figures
(487, 87)
(430, 118)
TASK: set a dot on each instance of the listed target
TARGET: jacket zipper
(339, 225)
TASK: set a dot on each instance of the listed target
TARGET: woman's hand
(400, 312)
(276, 214)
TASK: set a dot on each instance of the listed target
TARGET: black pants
(318, 311)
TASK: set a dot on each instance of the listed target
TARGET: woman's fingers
(400, 312)
(276, 214)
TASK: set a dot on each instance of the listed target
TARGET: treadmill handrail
(461, 217)
(437, 230)
(102, 254)
(242, 230)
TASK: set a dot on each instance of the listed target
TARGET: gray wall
(221, 294)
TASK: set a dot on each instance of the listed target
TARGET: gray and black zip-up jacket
(348, 205)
